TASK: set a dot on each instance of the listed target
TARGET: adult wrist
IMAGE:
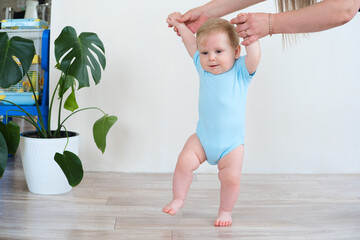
(276, 27)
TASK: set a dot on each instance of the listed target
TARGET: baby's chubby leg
(189, 160)
(229, 175)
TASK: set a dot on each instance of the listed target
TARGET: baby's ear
(237, 52)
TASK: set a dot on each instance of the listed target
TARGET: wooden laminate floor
(128, 206)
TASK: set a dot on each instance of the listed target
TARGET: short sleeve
(242, 71)
(196, 59)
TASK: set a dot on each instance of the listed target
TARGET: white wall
(303, 110)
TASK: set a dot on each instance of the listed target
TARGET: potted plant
(74, 55)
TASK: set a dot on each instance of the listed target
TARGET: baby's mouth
(214, 65)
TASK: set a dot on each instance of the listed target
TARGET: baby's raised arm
(253, 55)
(186, 35)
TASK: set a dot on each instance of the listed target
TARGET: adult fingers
(184, 18)
(194, 26)
(249, 40)
(242, 27)
(239, 19)
(246, 33)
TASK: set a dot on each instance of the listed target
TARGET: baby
(219, 138)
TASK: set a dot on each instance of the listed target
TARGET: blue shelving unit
(10, 110)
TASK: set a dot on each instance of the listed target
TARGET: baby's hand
(172, 19)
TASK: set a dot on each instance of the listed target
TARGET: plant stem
(67, 137)
(62, 123)
(50, 108)
(88, 108)
(40, 120)
(31, 117)
(59, 115)
(32, 123)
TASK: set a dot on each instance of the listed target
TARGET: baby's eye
(204, 53)
(218, 51)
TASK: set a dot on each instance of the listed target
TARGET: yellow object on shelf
(26, 84)
(36, 59)
(37, 97)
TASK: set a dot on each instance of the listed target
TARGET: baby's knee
(187, 161)
(231, 179)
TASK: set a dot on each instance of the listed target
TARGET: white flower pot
(43, 175)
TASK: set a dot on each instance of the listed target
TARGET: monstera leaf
(9, 142)
(100, 130)
(71, 165)
(75, 54)
(11, 134)
(3, 155)
(21, 48)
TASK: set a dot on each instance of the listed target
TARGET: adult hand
(251, 26)
(193, 19)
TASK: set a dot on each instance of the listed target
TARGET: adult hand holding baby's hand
(193, 19)
(172, 19)
(252, 26)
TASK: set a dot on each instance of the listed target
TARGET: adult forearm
(317, 17)
(219, 8)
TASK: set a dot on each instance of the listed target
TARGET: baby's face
(216, 54)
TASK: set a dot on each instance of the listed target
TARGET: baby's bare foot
(172, 207)
(224, 219)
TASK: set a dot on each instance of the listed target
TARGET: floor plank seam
(115, 224)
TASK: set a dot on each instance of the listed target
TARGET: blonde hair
(218, 25)
(289, 5)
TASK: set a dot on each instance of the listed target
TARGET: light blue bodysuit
(222, 102)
